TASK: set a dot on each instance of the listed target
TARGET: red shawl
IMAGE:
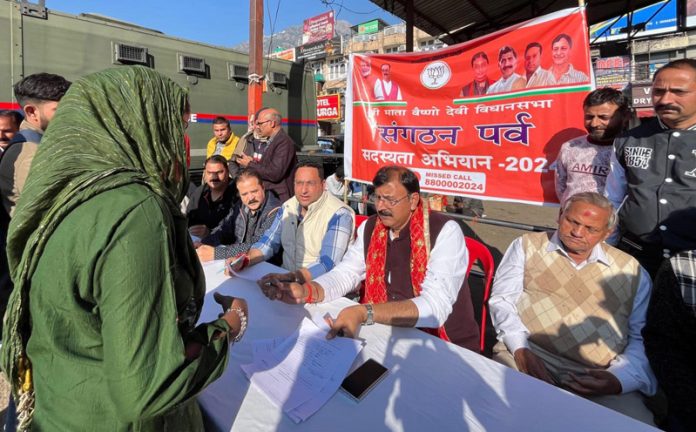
(375, 285)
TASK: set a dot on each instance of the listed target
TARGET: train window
(279, 79)
(191, 64)
(129, 54)
(239, 73)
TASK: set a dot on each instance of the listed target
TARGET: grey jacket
(239, 230)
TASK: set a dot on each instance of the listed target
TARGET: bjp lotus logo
(435, 75)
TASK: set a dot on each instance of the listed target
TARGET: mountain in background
(290, 38)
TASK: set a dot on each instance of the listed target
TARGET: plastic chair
(479, 252)
(359, 219)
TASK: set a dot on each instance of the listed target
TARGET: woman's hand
(235, 310)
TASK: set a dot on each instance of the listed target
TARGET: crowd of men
(612, 324)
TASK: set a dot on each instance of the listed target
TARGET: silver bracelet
(242, 323)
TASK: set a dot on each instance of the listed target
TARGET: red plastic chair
(479, 252)
(359, 219)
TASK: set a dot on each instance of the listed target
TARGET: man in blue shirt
(314, 229)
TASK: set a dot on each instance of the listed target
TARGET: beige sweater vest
(302, 241)
(579, 315)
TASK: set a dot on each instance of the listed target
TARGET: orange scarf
(375, 285)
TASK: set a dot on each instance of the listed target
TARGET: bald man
(276, 160)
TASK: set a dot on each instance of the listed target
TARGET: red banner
(485, 118)
(318, 28)
(329, 107)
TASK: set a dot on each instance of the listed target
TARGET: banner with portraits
(482, 119)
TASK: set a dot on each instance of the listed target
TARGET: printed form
(300, 373)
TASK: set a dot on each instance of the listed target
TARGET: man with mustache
(9, 126)
(313, 228)
(244, 225)
(653, 172)
(568, 309)
(413, 263)
(510, 80)
(583, 162)
(212, 200)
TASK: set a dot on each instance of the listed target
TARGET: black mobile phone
(362, 379)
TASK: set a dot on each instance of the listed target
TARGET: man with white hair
(568, 309)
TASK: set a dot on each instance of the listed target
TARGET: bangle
(242, 323)
(309, 295)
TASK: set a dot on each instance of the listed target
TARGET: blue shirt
(333, 246)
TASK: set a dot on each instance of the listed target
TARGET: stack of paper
(300, 373)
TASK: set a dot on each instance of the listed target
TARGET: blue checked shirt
(339, 232)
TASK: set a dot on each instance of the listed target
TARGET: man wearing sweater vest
(314, 229)
(569, 309)
(413, 263)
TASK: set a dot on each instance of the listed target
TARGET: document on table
(300, 373)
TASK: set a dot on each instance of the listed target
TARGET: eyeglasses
(389, 202)
(260, 123)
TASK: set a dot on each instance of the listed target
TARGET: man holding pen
(413, 263)
(314, 229)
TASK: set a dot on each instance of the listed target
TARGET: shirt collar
(665, 127)
(570, 70)
(597, 254)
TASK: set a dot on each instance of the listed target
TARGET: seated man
(212, 200)
(250, 217)
(403, 235)
(669, 330)
(570, 309)
(313, 227)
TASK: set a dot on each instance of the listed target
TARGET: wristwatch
(370, 315)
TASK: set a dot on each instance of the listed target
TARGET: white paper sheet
(301, 373)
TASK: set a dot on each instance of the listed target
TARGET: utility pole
(254, 97)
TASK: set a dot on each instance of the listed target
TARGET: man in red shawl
(413, 263)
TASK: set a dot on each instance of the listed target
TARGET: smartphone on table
(363, 379)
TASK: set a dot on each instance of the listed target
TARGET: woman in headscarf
(100, 330)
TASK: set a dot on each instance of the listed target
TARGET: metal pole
(409, 25)
(254, 96)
